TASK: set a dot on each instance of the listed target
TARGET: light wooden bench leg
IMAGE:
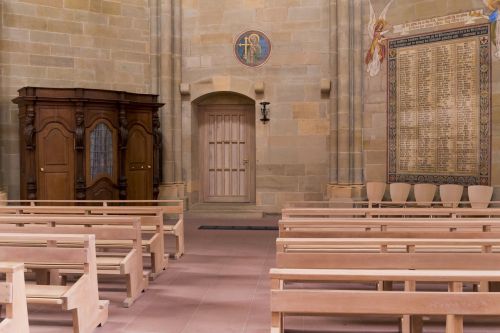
(159, 260)
(136, 284)
(411, 324)
(159, 263)
(86, 317)
(277, 318)
(179, 239)
(16, 313)
(277, 322)
(454, 323)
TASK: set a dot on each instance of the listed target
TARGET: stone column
(333, 92)
(171, 116)
(346, 106)
(356, 176)
(177, 101)
(154, 25)
(165, 89)
(177, 79)
(343, 92)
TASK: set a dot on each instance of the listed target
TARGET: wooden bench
(384, 253)
(177, 229)
(169, 207)
(174, 207)
(151, 226)
(122, 232)
(13, 297)
(320, 255)
(289, 213)
(82, 298)
(363, 227)
(454, 304)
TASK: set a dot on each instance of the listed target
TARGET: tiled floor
(219, 286)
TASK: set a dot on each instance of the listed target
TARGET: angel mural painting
(494, 18)
(376, 29)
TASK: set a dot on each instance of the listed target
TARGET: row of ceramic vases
(479, 195)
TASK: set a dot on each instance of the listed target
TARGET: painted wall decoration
(376, 29)
(252, 48)
(439, 107)
(494, 18)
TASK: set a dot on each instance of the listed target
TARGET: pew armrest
(128, 262)
(76, 294)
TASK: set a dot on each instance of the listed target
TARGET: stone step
(224, 210)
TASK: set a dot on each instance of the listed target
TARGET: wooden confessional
(80, 144)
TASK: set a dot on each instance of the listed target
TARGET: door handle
(42, 169)
(245, 161)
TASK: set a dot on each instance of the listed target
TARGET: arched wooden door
(139, 164)
(227, 153)
(56, 163)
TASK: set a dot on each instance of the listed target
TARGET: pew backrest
(434, 212)
(388, 253)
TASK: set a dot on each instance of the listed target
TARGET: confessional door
(56, 163)
(139, 164)
(227, 144)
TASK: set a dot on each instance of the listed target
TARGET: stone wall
(313, 138)
(68, 43)
(375, 88)
(292, 149)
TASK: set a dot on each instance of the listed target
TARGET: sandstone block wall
(292, 149)
(67, 43)
(131, 45)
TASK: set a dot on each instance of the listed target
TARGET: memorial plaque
(439, 107)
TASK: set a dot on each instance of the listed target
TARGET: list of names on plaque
(436, 100)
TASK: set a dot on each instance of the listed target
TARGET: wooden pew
(361, 227)
(454, 304)
(151, 221)
(123, 232)
(82, 298)
(13, 297)
(169, 208)
(289, 213)
(386, 253)
(175, 208)
(315, 258)
(177, 229)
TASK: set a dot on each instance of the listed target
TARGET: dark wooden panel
(56, 170)
(54, 127)
(103, 189)
(139, 164)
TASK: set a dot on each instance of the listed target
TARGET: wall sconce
(264, 111)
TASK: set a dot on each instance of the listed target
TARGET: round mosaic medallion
(252, 48)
